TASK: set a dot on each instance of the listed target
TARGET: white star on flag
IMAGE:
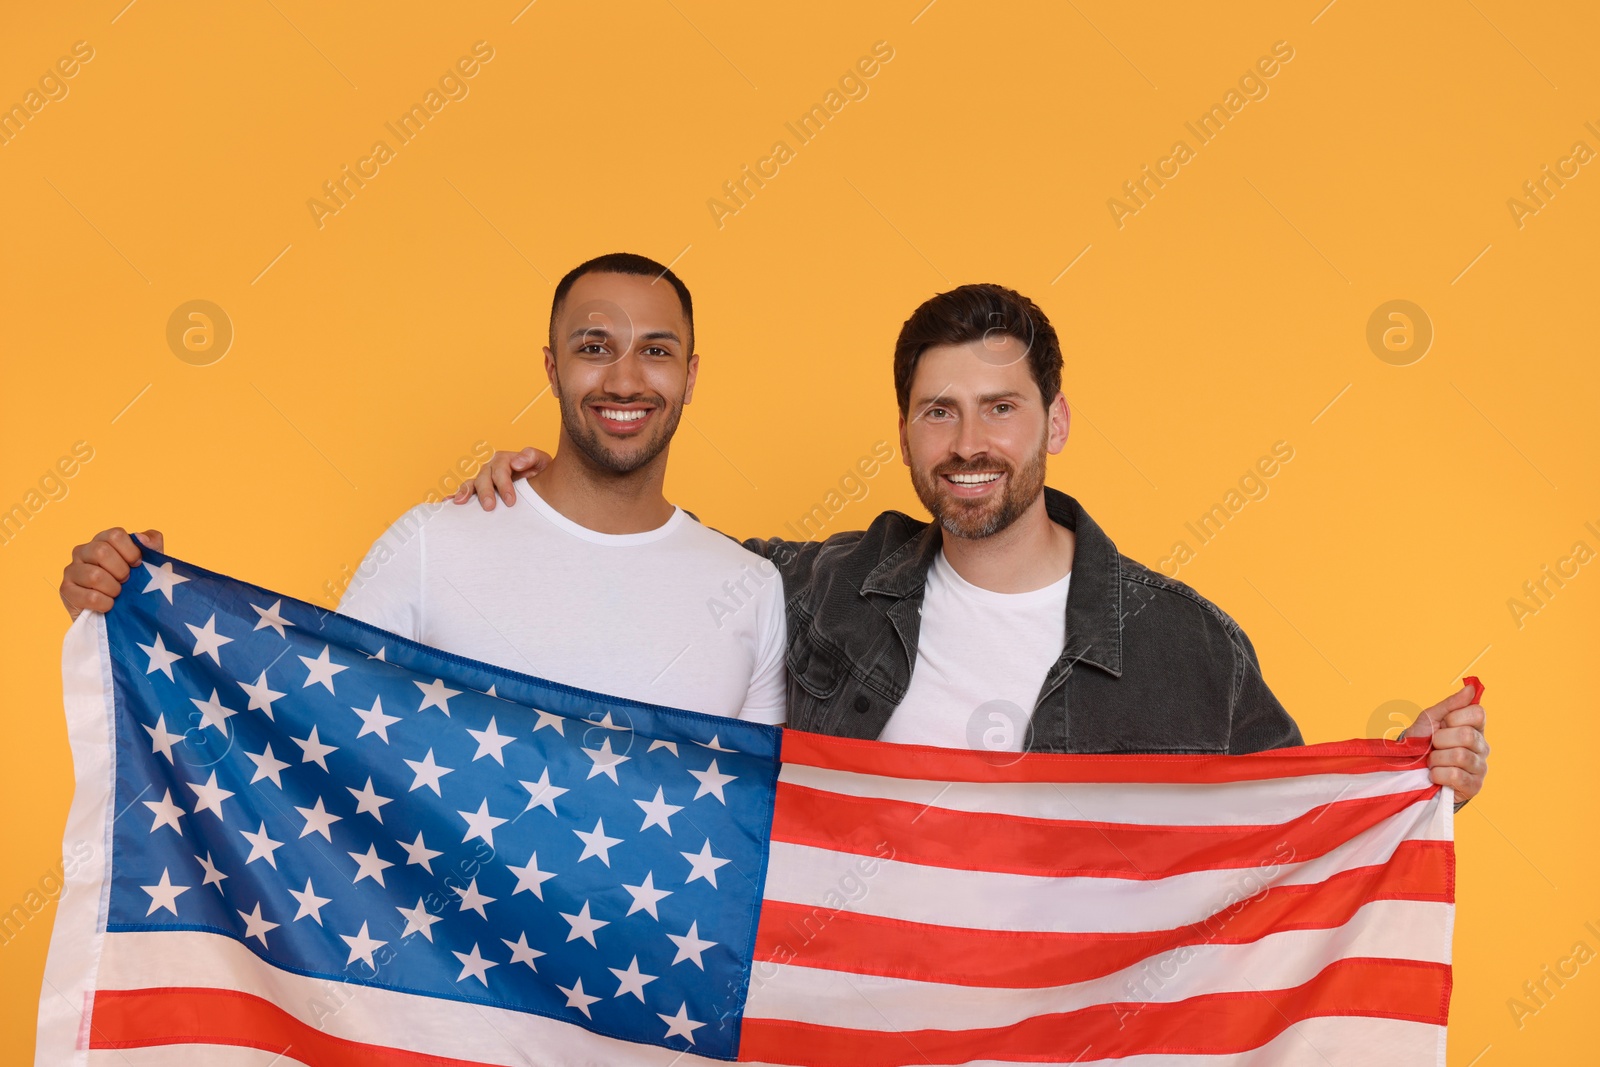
(160, 658)
(261, 695)
(670, 746)
(209, 797)
(267, 766)
(362, 947)
(703, 864)
(427, 773)
(369, 865)
(319, 819)
(474, 964)
(646, 896)
(596, 843)
(577, 998)
(255, 926)
(657, 812)
(631, 980)
(680, 1024)
(320, 671)
(553, 721)
(208, 641)
(481, 824)
(542, 794)
(418, 920)
(490, 743)
(212, 713)
(271, 617)
(368, 800)
(262, 847)
(530, 878)
(690, 946)
(436, 694)
(374, 721)
(213, 876)
(606, 762)
(164, 894)
(167, 813)
(310, 903)
(522, 952)
(163, 580)
(472, 899)
(605, 723)
(417, 852)
(583, 925)
(712, 781)
(312, 750)
(161, 741)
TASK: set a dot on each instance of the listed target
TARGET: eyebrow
(987, 398)
(603, 333)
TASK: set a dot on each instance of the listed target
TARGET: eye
(936, 413)
(593, 348)
(1002, 408)
(657, 350)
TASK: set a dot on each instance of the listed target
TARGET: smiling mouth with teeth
(973, 479)
(623, 416)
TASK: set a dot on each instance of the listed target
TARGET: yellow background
(1229, 313)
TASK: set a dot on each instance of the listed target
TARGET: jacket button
(861, 705)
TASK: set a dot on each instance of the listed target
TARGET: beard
(976, 519)
(601, 453)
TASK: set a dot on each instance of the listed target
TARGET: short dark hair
(621, 263)
(969, 313)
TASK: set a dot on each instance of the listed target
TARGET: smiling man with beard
(1011, 622)
(601, 582)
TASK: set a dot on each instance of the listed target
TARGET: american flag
(297, 839)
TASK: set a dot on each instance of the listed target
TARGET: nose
(971, 439)
(625, 377)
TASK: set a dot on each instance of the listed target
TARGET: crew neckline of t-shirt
(949, 574)
(561, 522)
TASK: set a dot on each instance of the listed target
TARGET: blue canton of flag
(354, 806)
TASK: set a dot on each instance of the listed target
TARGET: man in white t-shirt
(602, 583)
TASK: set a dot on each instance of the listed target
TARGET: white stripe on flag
(984, 900)
(368, 1014)
(1384, 929)
(1143, 804)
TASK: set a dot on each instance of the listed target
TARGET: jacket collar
(1094, 597)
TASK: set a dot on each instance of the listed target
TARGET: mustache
(655, 401)
(970, 466)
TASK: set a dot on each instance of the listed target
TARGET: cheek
(926, 443)
(670, 380)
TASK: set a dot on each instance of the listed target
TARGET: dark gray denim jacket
(1149, 664)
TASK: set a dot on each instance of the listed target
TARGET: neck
(603, 500)
(1031, 553)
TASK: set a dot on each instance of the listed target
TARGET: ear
(905, 447)
(694, 372)
(1060, 424)
(550, 372)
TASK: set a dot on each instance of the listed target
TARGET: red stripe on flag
(1015, 844)
(868, 944)
(1213, 1024)
(923, 762)
(145, 1018)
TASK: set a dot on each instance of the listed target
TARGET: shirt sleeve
(386, 591)
(767, 699)
(1258, 721)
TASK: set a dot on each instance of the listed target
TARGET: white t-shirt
(982, 658)
(679, 615)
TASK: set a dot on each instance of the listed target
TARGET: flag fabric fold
(297, 836)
